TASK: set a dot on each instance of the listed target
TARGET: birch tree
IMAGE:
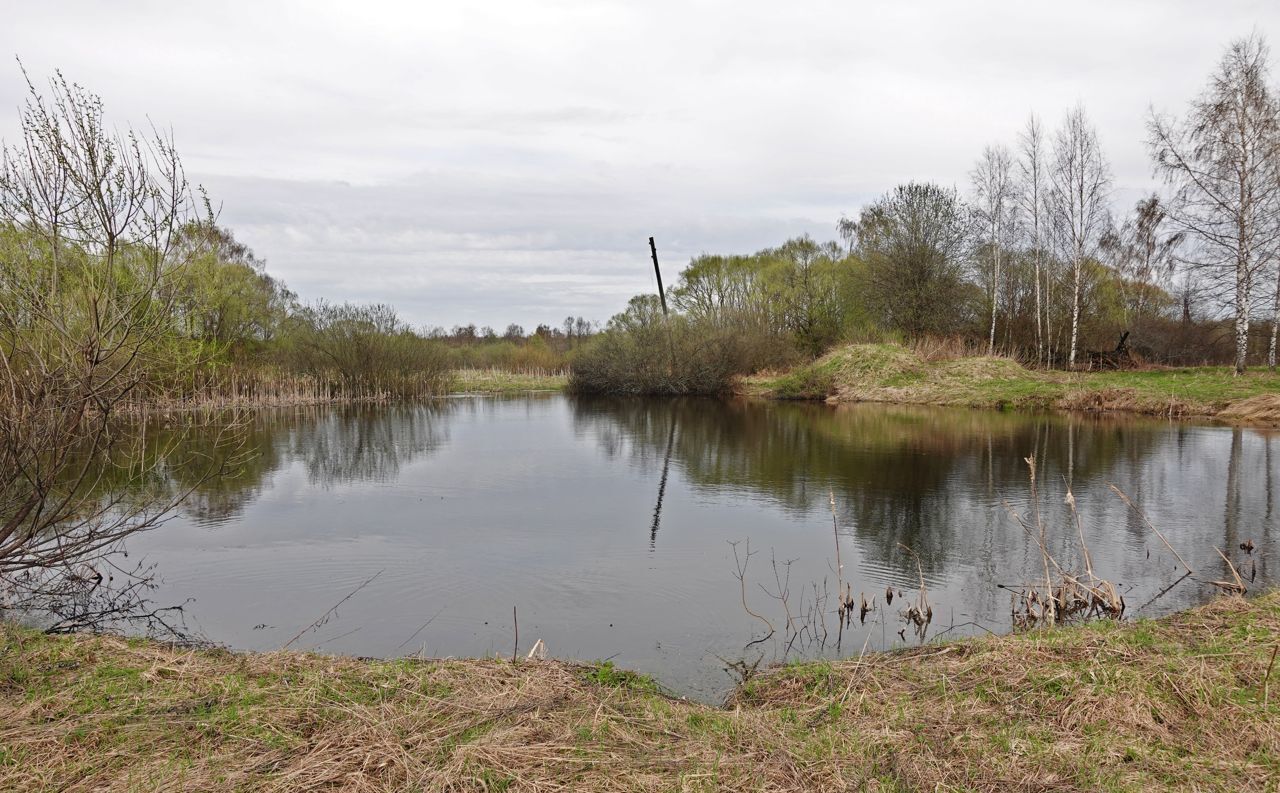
(1142, 253)
(1220, 162)
(1079, 184)
(1031, 200)
(1275, 322)
(994, 204)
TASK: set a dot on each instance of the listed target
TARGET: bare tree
(89, 220)
(1221, 162)
(1031, 199)
(1141, 253)
(1080, 184)
(994, 205)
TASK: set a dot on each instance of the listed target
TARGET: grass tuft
(1181, 703)
(892, 373)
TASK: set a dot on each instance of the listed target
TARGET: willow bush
(365, 351)
(643, 352)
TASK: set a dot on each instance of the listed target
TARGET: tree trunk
(1275, 324)
(995, 297)
(1048, 323)
(1242, 316)
(1075, 315)
(1039, 330)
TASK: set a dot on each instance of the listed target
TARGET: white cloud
(506, 161)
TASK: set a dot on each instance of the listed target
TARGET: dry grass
(946, 372)
(507, 381)
(935, 349)
(1175, 704)
(1262, 409)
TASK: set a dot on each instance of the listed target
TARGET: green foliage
(643, 352)
(914, 242)
(362, 349)
(606, 674)
(224, 297)
(786, 300)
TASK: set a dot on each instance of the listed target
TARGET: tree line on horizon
(1033, 260)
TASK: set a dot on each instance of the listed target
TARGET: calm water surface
(608, 524)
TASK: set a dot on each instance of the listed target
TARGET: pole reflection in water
(471, 505)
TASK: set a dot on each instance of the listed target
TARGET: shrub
(642, 352)
(365, 351)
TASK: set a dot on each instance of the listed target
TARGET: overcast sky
(506, 161)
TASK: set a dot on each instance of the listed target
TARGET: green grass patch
(893, 373)
(1177, 703)
(606, 674)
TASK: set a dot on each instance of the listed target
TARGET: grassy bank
(1183, 703)
(501, 381)
(891, 373)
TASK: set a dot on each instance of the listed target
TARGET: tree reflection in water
(596, 513)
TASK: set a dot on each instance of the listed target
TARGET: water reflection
(901, 475)
(334, 446)
(940, 482)
(608, 520)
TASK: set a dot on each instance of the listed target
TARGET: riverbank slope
(1183, 702)
(892, 373)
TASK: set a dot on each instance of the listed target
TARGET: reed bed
(1185, 702)
(253, 388)
(510, 381)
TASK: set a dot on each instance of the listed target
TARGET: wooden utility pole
(662, 295)
(671, 343)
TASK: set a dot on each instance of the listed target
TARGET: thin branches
(740, 572)
(1222, 163)
(1080, 186)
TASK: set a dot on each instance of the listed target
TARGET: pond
(611, 526)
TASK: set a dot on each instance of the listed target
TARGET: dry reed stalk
(292, 722)
(835, 530)
(1238, 586)
(1084, 547)
(1044, 551)
(1151, 526)
(921, 612)
(1266, 680)
(325, 616)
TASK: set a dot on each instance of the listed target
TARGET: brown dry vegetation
(1180, 703)
(945, 375)
(506, 381)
